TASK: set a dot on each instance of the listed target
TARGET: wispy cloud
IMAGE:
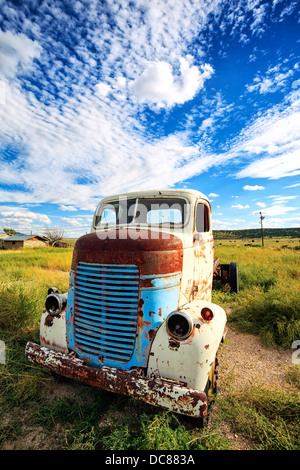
(101, 97)
(240, 206)
(17, 52)
(248, 187)
(274, 79)
(275, 138)
(276, 209)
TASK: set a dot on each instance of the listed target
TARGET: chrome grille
(105, 310)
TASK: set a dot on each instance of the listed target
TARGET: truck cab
(138, 317)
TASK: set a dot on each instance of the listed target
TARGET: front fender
(189, 361)
(53, 334)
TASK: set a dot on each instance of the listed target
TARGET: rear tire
(233, 277)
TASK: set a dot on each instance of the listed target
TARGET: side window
(202, 222)
(108, 216)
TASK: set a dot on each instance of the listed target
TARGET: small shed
(3, 235)
(20, 241)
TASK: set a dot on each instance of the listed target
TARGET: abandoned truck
(138, 318)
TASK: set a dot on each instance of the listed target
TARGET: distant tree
(54, 234)
(9, 231)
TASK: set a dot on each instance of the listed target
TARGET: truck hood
(153, 252)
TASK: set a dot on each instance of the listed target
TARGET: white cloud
(87, 143)
(159, 85)
(275, 210)
(282, 222)
(22, 219)
(82, 158)
(213, 195)
(296, 83)
(273, 168)
(240, 206)
(207, 123)
(259, 12)
(72, 222)
(24, 214)
(260, 204)
(68, 208)
(17, 52)
(103, 89)
(275, 138)
(293, 185)
(281, 199)
(272, 82)
(252, 188)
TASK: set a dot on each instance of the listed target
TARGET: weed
(268, 303)
(293, 376)
(271, 419)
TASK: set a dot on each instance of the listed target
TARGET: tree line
(256, 233)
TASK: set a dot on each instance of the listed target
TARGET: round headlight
(179, 325)
(54, 304)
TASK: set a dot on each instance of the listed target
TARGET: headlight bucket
(179, 325)
(55, 302)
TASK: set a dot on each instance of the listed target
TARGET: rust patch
(49, 320)
(174, 344)
(153, 256)
(159, 392)
(151, 334)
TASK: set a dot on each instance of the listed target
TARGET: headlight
(55, 302)
(179, 325)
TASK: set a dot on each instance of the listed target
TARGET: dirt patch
(245, 361)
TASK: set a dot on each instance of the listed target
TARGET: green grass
(270, 419)
(268, 303)
(33, 402)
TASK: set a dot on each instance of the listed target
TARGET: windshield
(158, 212)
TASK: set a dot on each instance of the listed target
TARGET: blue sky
(102, 97)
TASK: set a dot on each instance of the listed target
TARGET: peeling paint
(167, 394)
(112, 332)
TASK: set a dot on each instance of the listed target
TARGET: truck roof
(160, 192)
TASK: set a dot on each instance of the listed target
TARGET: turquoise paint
(155, 303)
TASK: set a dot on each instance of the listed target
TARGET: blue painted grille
(106, 309)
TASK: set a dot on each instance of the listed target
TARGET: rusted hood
(152, 252)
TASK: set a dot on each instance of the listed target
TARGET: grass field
(39, 411)
(279, 242)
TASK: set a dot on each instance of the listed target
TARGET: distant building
(14, 242)
(60, 244)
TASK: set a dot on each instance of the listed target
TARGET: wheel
(233, 277)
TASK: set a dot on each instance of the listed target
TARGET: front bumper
(155, 391)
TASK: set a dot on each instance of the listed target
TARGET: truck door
(203, 251)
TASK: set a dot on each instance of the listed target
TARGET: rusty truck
(138, 317)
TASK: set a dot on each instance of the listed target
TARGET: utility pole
(262, 230)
